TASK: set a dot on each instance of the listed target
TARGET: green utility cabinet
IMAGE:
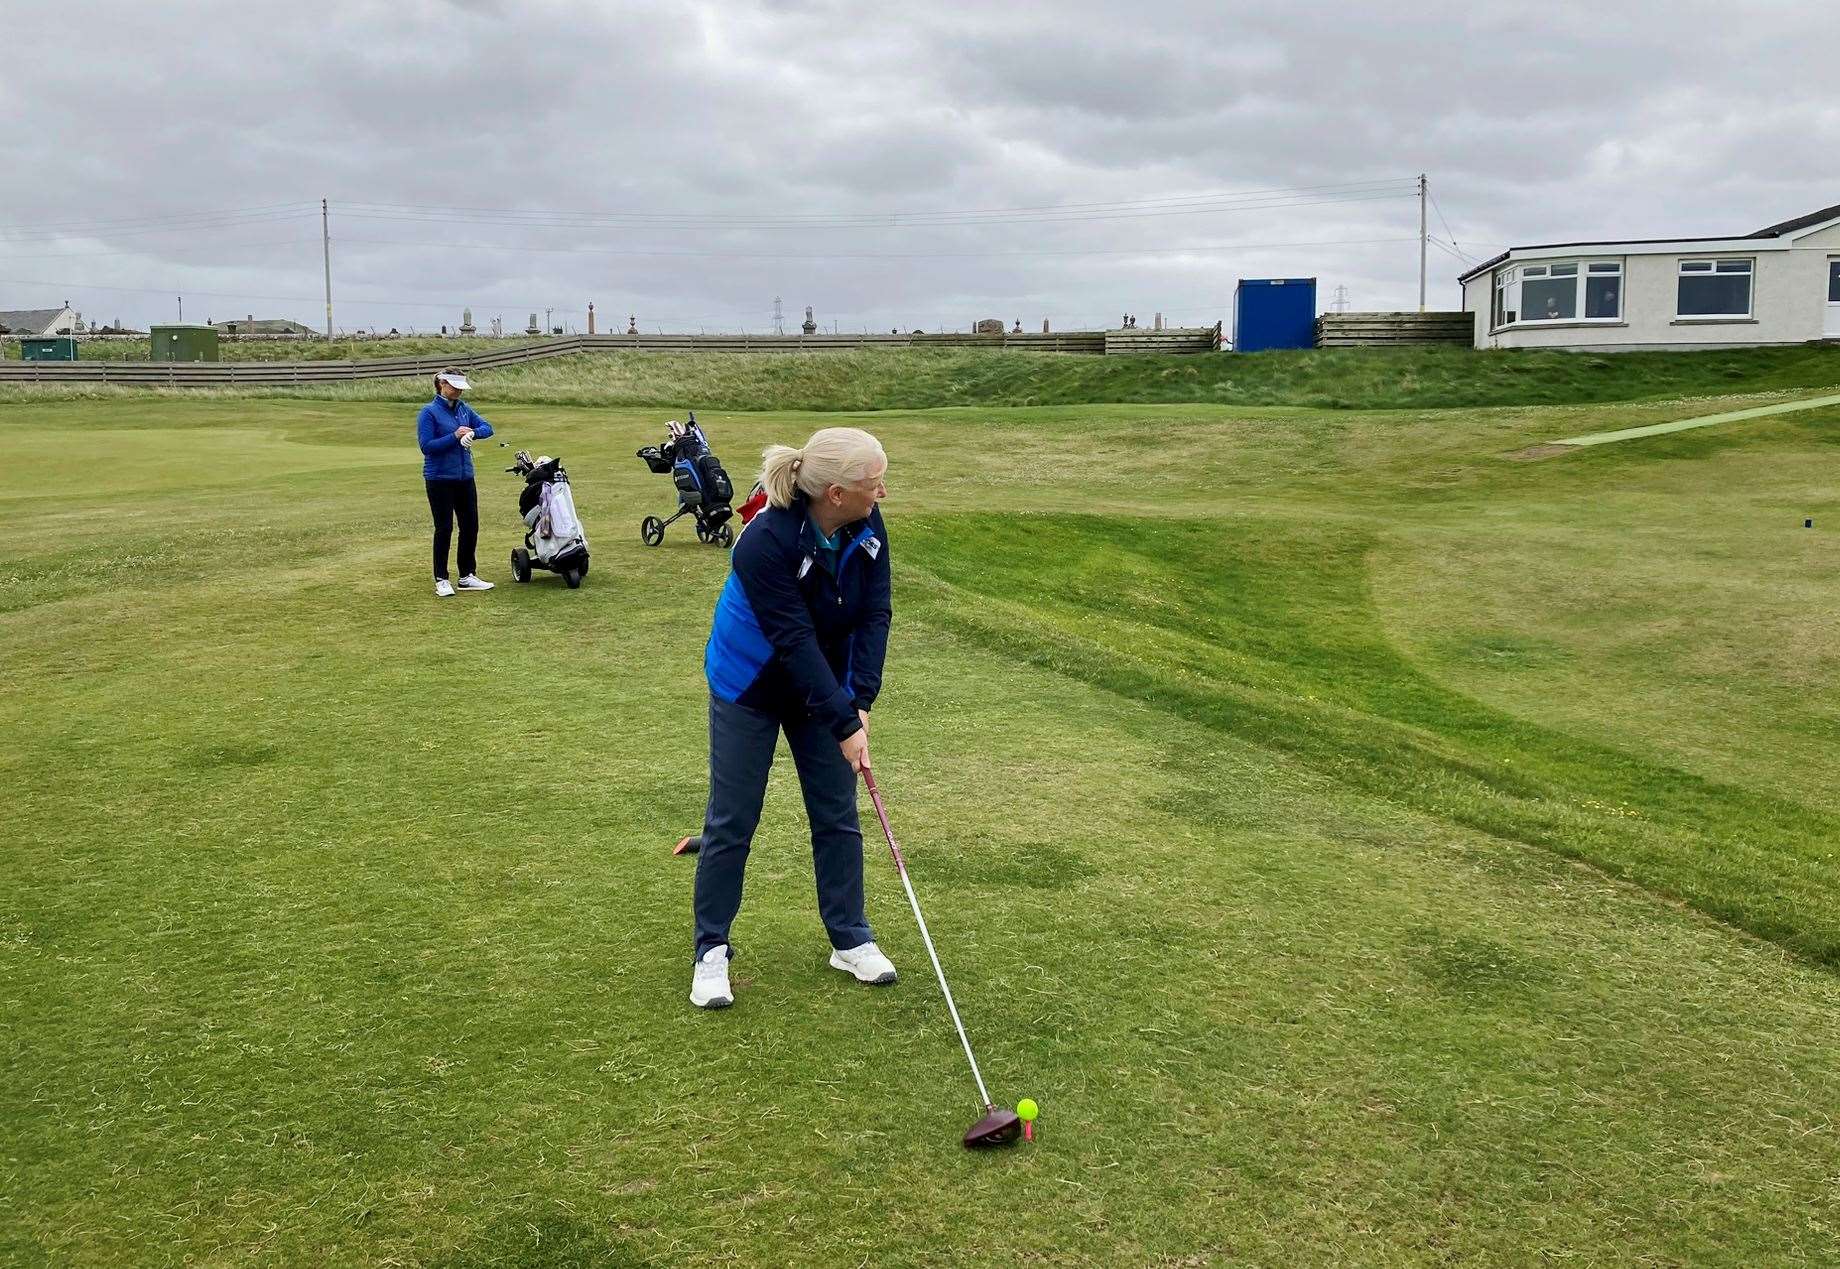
(59, 349)
(184, 343)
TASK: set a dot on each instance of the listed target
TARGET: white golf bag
(553, 537)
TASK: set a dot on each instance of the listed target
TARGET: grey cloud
(1560, 121)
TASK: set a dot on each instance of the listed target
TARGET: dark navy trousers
(451, 500)
(741, 744)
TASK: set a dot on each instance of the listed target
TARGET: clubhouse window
(1715, 288)
(1559, 291)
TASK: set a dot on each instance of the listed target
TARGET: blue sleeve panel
(738, 650)
(762, 615)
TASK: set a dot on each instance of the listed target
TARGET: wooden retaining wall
(1358, 330)
(206, 374)
(1175, 339)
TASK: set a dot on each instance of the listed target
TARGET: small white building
(40, 323)
(1780, 285)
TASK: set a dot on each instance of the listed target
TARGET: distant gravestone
(810, 327)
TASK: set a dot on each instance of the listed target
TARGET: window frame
(1506, 292)
(1708, 267)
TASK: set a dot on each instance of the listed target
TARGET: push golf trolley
(553, 538)
(703, 488)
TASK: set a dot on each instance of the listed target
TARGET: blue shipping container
(1274, 313)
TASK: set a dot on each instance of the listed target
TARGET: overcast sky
(910, 166)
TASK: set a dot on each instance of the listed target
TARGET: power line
(693, 253)
(450, 302)
(195, 225)
(134, 221)
(1448, 230)
(705, 226)
(875, 222)
(216, 247)
(1453, 251)
(1176, 204)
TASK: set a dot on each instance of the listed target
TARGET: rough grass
(1355, 841)
(1336, 378)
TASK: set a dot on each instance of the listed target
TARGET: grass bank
(1335, 378)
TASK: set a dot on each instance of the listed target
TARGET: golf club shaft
(900, 865)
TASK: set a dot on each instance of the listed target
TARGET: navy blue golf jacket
(794, 640)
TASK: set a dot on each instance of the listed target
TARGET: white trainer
(867, 963)
(709, 984)
(443, 587)
(472, 581)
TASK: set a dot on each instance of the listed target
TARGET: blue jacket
(791, 639)
(443, 456)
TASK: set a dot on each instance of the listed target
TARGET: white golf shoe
(866, 963)
(443, 587)
(709, 984)
(473, 582)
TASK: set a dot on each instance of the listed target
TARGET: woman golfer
(446, 429)
(797, 645)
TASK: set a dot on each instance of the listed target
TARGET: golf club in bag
(999, 1126)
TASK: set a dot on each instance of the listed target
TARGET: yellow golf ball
(1026, 1109)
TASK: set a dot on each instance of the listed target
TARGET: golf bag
(553, 537)
(704, 490)
(755, 504)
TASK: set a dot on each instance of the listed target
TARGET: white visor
(454, 377)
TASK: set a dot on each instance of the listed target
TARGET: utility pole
(181, 300)
(779, 318)
(1340, 303)
(325, 242)
(1423, 242)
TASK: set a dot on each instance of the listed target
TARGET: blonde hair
(833, 456)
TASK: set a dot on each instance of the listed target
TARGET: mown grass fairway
(1367, 849)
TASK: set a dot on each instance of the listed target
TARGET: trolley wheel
(520, 564)
(651, 530)
(702, 531)
(724, 536)
(573, 578)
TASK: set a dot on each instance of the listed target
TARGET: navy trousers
(741, 744)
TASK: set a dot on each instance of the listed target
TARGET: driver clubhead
(998, 1127)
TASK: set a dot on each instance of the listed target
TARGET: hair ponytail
(779, 473)
(833, 456)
